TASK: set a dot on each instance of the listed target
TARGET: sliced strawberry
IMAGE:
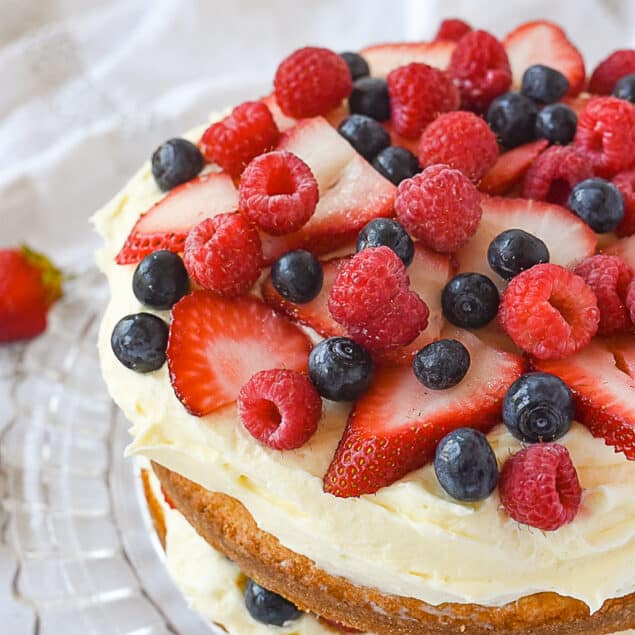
(603, 385)
(166, 224)
(578, 103)
(543, 42)
(383, 58)
(216, 345)
(284, 122)
(510, 168)
(395, 427)
(625, 249)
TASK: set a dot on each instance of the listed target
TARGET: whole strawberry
(29, 285)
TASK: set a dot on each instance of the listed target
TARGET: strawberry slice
(578, 103)
(395, 427)
(216, 345)
(543, 42)
(383, 58)
(625, 249)
(284, 122)
(166, 224)
(603, 384)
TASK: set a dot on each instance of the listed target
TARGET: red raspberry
(280, 408)
(371, 297)
(480, 68)
(609, 277)
(452, 29)
(278, 192)
(606, 134)
(244, 134)
(418, 94)
(625, 183)
(630, 300)
(613, 68)
(224, 254)
(440, 206)
(311, 81)
(461, 140)
(549, 312)
(553, 174)
(539, 486)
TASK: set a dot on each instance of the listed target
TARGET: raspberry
(311, 81)
(224, 254)
(606, 134)
(233, 142)
(278, 192)
(549, 312)
(539, 486)
(480, 68)
(418, 94)
(440, 206)
(630, 300)
(553, 174)
(613, 68)
(280, 408)
(370, 296)
(609, 277)
(452, 29)
(625, 183)
(461, 140)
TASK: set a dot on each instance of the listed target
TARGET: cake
(375, 333)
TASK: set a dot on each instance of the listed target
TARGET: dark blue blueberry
(175, 162)
(512, 117)
(544, 84)
(387, 232)
(625, 88)
(470, 300)
(357, 65)
(340, 369)
(139, 342)
(515, 250)
(557, 123)
(598, 203)
(370, 97)
(397, 164)
(297, 276)
(268, 607)
(160, 280)
(366, 135)
(441, 364)
(465, 465)
(538, 407)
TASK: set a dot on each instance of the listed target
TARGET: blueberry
(340, 369)
(397, 164)
(370, 97)
(515, 250)
(625, 88)
(465, 465)
(365, 134)
(441, 364)
(470, 300)
(557, 123)
(357, 65)
(139, 342)
(598, 203)
(512, 117)
(160, 280)
(297, 276)
(389, 233)
(175, 162)
(268, 607)
(538, 407)
(544, 84)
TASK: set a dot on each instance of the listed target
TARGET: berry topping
(418, 94)
(452, 29)
(174, 162)
(371, 298)
(441, 364)
(268, 607)
(384, 58)
(340, 369)
(357, 65)
(515, 250)
(397, 164)
(160, 280)
(470, 300)
(512, 117)
(625, 88)
(311, 81)
(557, 123)
(549, 312)
(278, 192)
(139, 342)
(539, 487)
(216, 345)
(297, 276)
(630, 300)
(544, 85)
(389, 233)
(370, 97)
(609, 71)
(366, 135)
(465, 465)
(538, 408)
(223, 254)
(244, 134)
(625, 183)
(440, 207)
(598, 203)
